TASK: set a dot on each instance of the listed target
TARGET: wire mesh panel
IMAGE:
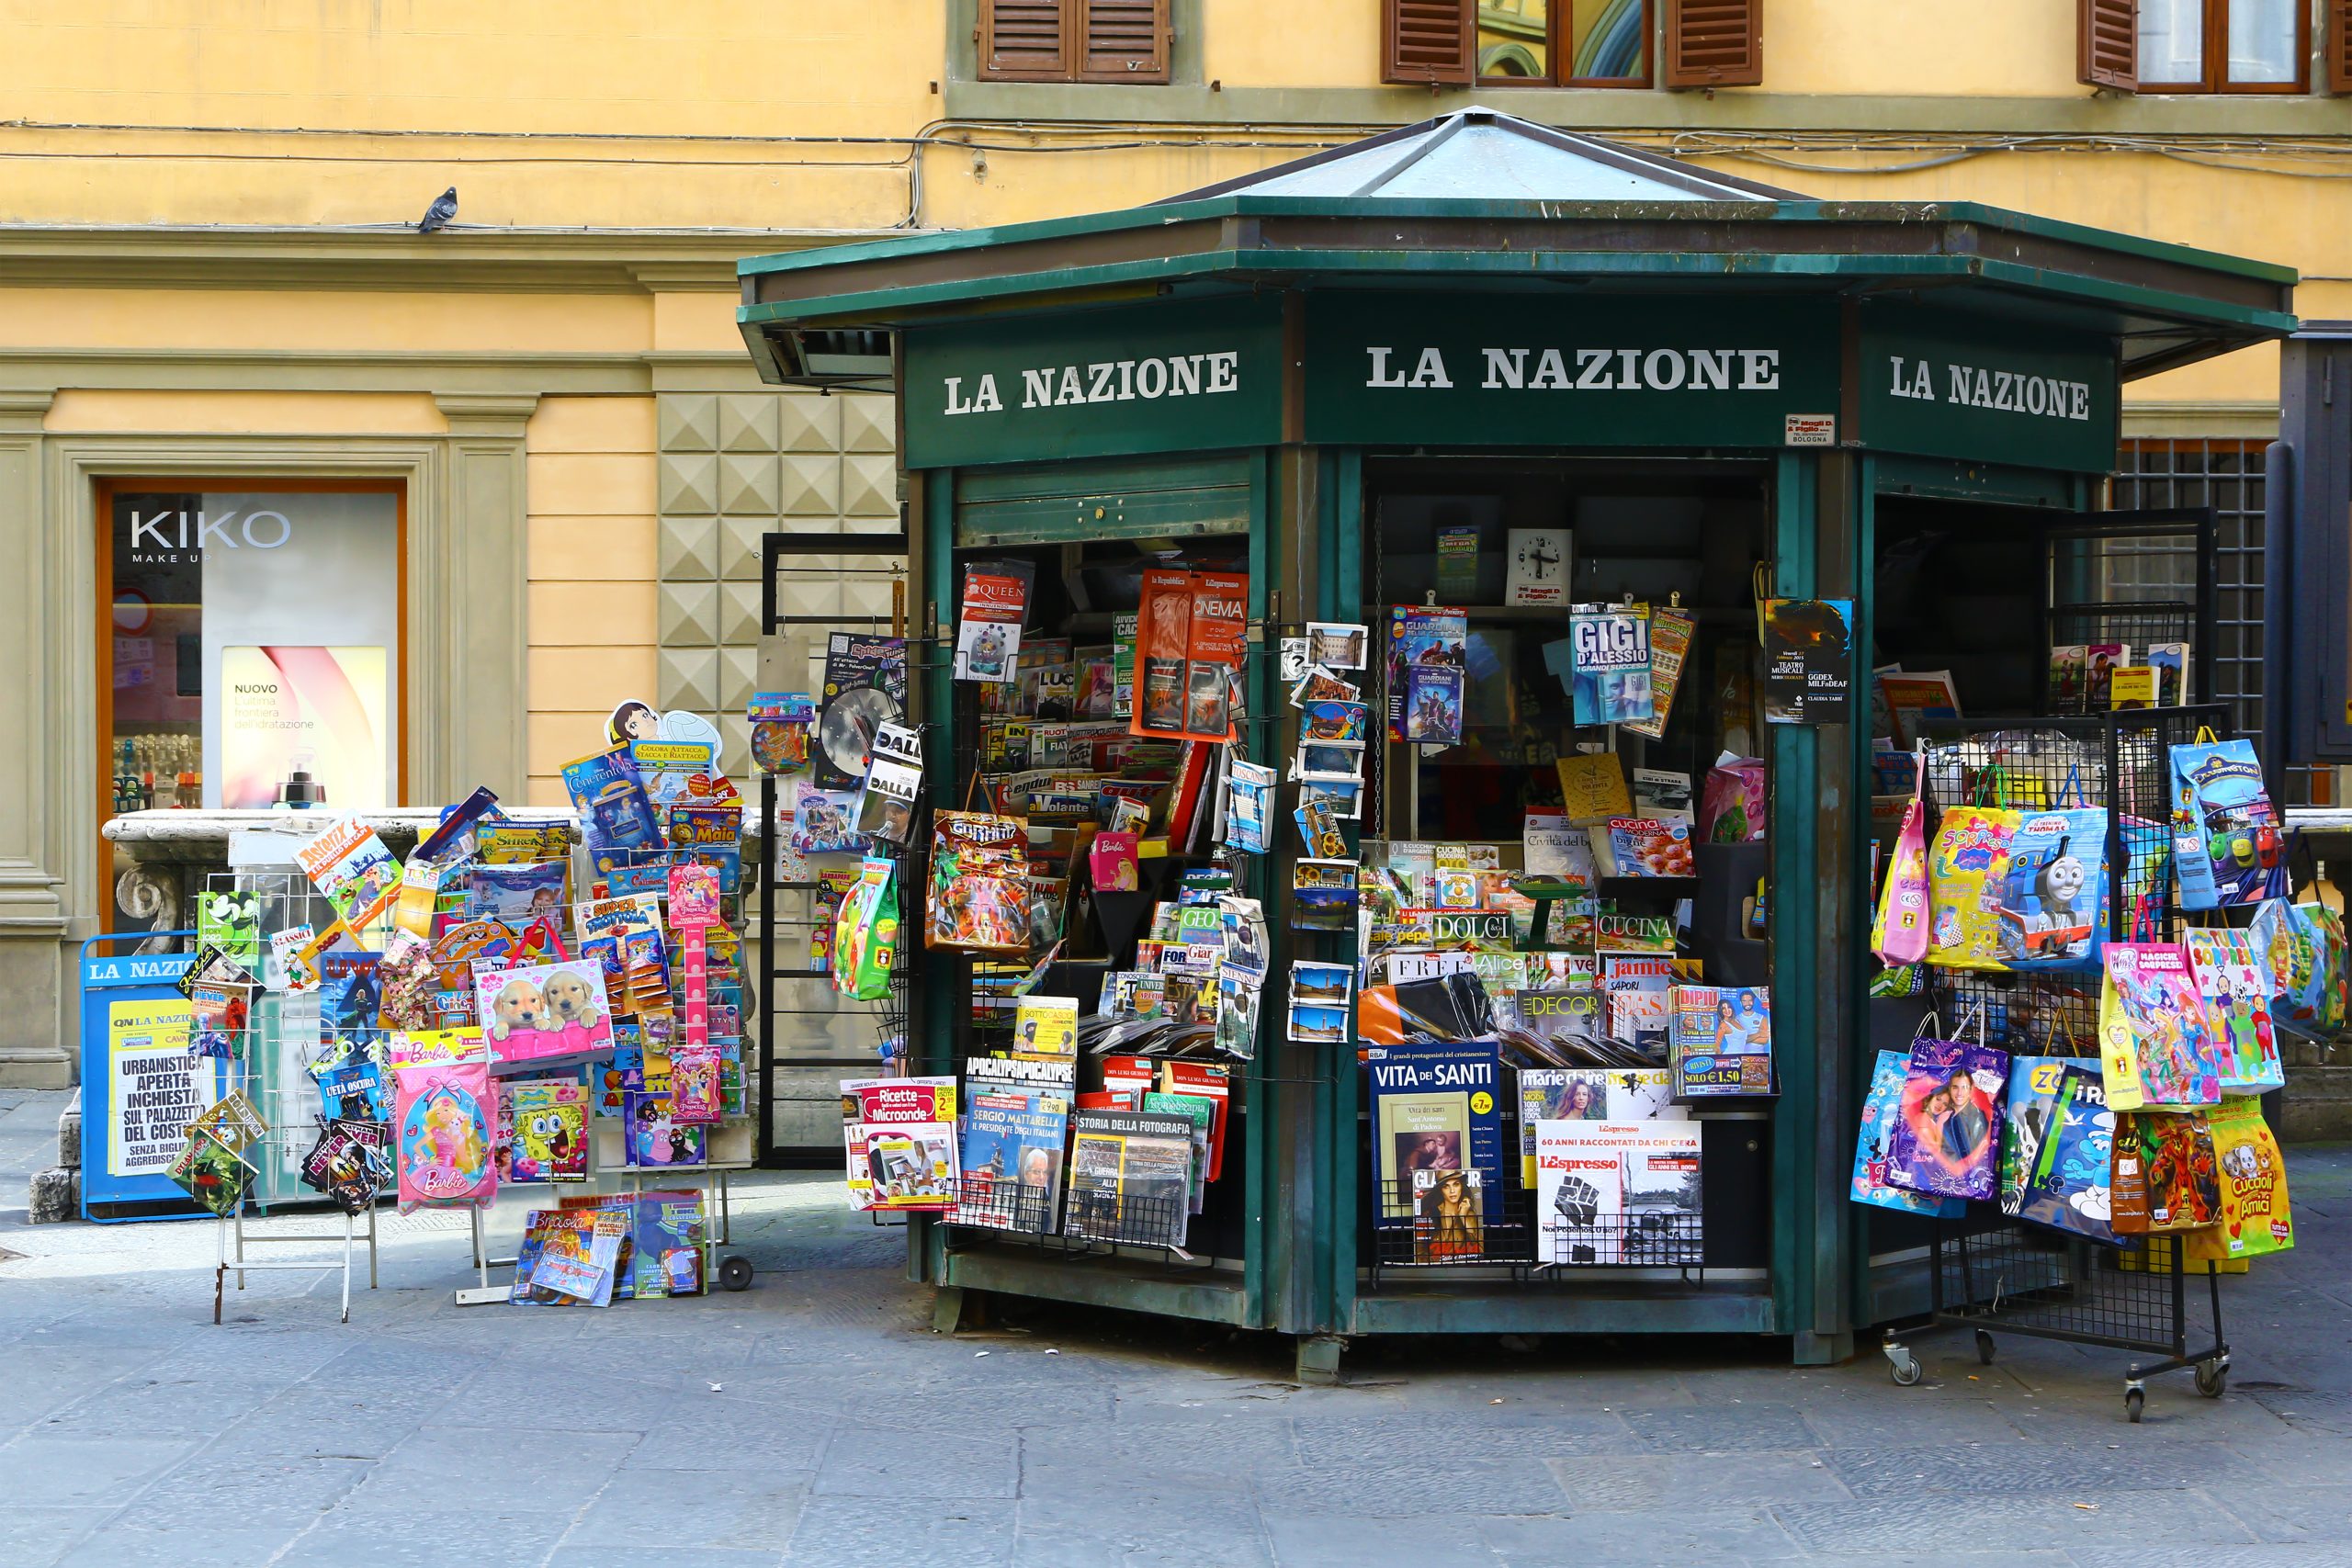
(2055, 1287)
(1431, 1224)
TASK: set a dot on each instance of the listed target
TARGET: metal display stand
(2022, 1279)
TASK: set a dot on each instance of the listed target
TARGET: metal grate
(2225, 474)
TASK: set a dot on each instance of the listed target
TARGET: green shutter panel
(1714, 44)
(2339, 46)
(1024, 40)
(2108, 52)
(1427, 42)
(1124, 41)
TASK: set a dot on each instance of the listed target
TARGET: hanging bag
(2227, 847)
(2257, 1215)
(1965, 865)
(1881, 1109)
(1947, 1136)
(1900, 933)
(2052, 894)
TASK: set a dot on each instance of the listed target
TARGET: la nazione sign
(1500, 371)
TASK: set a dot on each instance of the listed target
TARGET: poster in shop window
(1808, 660)
(322, 710)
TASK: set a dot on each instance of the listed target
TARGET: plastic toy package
(980, 883)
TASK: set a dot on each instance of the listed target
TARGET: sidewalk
(815, 1419)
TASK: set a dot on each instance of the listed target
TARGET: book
(2069, 676)
(1592, 787)
(1913, 696)
(1538, 564)
(2132, 686)
(666, 1236)
(352, 869)
(1722, 1041)
(543, 1131)
(1045, 1026)
(993, 609)
(1013, 1138)
(1435, 1106)
(613, 806)
(578, 1255)
(654, 1137)
(1610, 653)
(2101, 661)
(1130, 1177)
(2170, 660)
(1625, 1193)
(1947, 1137)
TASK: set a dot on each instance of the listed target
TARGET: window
(1073, 41)
(2209, 46)
(253, 632)
(1571, 43)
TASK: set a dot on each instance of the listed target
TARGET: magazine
(673, 771)
(1722, 1041)
(579, 1252)
(1013, 1137)
(1589, 1094)
(1435, 1106)
(900, 1140)
(1189, 643)
(1618, 1192)
(353, 870)
(865, 687)
(654, 1137)
(1130, 1177)
(1609, 652)
(1428, 650)
(1202, 1115)
(886, 806)
(1045, 1027)
(543, 1131)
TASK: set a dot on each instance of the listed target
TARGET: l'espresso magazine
(1130, 1177)
(1618, 1192)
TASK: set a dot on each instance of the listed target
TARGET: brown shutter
(1123, 41)
(2339, 46)
(1023, 40)
(1427, 41)
(2108, 51)
(1714, 44)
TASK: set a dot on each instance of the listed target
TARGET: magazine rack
(1093, 1223)
(1513, 1239)
(1987, 1272)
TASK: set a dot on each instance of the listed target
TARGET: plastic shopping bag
(2226, 832)
(2256, 1216)
(1900, 933)
(2052, 908)
(1965, 868)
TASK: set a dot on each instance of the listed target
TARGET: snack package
(2164, 1176)
(865, 932)
(1879, 1109)
(1967, 865)
(2054, 906)
(2256, 1216)
(979, 883)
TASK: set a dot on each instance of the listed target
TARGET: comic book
(654, 1138)
(543, 1131)
(579, 1254)
(350, 867)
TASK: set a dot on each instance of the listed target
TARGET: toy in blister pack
(2226, 834)
(2256, 1216)
(2235, 983)
(1966, 866)
(2052, 909)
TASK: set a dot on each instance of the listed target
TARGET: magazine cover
(1435, 1106)
(447, 1118)
(579, 1252)
(865, 687)
(1045, 1026)
(1881, 1109)
(1644, 846)
(994, 608)
(1130, 1177)
(666, 1240)
(1428, 650)
(1448, 1217)
(352, 869)
(1556, 1094)
(2233, 979)
(2154, 1044)
(654, 1137)
(885, 807)
(543, 1131)
(2057, 1148)
(1723, 1039)
(1202, 1115)
(612, 803)
(544, 1014)
(673, 771)
(1618, 1192)
(1948, 1132)
(1013, 1137)
(1189, 644)
(1608, 649)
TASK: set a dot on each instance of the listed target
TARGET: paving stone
(2292, 1513)
(1351, 1541)
(1663, 1483)
(914, 1463)
(1429, 1482)
(641, 1556)
(713, 1435)
(1522, 1434)
(1861, 1419)
(72, 1471)
(32, 1536)
(417, 1536)
(1673, 1537)
(1169, 1528)
(1996, 1524)
(699, 1512)
(2022, 1470)
(122, 1546)
(1719, 1428)
(834, 1532)
(2166, 1554)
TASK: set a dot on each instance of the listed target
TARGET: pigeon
(437, 217)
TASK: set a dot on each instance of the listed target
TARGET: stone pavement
(815, 1419)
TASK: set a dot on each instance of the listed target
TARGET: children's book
(665, 1246)
(612, 802)
(579, 1254)
(349, 864)
(656, 1138)
(674, 771)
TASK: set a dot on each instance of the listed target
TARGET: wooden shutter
(1023, 40)
(1123, 41)
(1714, 44)
(2339, 46)
(1429, 40)
(2108, 51)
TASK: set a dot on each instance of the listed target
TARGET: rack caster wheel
(735, 1273)
(2136, 1401)
(1984, 1347)
(1902, 1366)
(2213, 1377)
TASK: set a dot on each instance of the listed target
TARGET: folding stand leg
(240, 1222)
(371, 1246)
(483, 1292)
(346, 1268)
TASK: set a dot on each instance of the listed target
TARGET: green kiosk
(1394, 373)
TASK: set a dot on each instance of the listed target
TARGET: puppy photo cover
(544, 1014)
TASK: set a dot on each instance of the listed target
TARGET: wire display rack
(1425, 1230)
(1092, 1220)
(2004, 1274)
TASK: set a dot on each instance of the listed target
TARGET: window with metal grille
(2225, 474)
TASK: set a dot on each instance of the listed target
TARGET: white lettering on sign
(1102, 382)
(1597, 369)
(198, 530)
(2002, 391)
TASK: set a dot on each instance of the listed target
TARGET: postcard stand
(290, 1109)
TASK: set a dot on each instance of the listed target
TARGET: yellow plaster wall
(320, 320)
(79, 410)
(591, 565)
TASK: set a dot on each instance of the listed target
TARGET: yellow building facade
(465, 490)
